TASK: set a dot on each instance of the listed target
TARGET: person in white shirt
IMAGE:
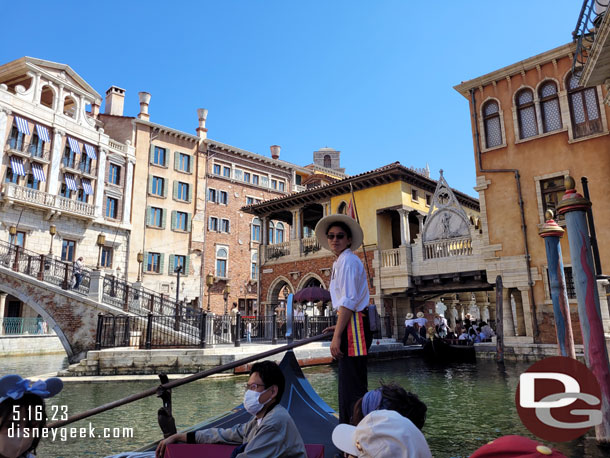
(349, 293)
(422, 321)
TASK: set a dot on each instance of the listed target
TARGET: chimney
(275, 151)
(115, 99)
(202, 132)
(144, 101)
(95, 108)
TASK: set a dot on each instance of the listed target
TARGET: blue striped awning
(70, 182)
(22, 125)
(90, 150)
(43, 133)
(38, 172)
(86, 186)
(74, 146)
(17, 166)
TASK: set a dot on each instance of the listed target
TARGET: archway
(278, 291)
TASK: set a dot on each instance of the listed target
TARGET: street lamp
(140, 261)
(52, 231)
(13, 232)
(226, 293)
(178, 271)
(101, 241)
(209, 280)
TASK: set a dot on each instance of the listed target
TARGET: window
(584, 109)
(238, 174)
(526, 114)
(271, 233)
(10, 176)
(265, 182)
(69, 159)
(549, 106)
(17, 139)
(32, 182)
(216, 169)
(112, 207)
(17, 240)
(281, 186)
(552, 191)
(414, 195)
(491, 120)
(182, 192)
(67, 250)
(155, 217)
(254, 179)
(225, 225)
(213, 224)
(181, 221)
(254, 266)
(85, 164)
(252, 200)
(212, 195)
(571, 290)
(428, 199)
(106, 257)
(222, 255)
(226, 172)
(36, 147)
(279, 233)
(179, 261)
(82, 196)
(64, 191)
(274, 184)
(256, 230)
(159, 156)
(184, 163)
(114, 174)
(223, 197)
(247, 177)
(342, 209)
(327, 161)
(154, 262)
(158, 186)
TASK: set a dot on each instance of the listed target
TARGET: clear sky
(373, 79)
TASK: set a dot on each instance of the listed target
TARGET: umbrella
(312, 294)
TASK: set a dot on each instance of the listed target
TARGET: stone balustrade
(390, 258)
(50, 201)
(446, 248)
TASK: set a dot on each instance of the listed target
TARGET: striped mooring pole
(575, 207)
(551, 232)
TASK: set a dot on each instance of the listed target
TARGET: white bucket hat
(409, 316)
(327, 221)
(382, 434)
(420, 314)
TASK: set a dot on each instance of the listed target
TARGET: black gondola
(443, 351)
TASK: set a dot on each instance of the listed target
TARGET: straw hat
(420, 314)
(327, 221)
(409, 316)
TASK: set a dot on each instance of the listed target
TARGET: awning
(90, 150)
(86, 186)
(74, 146)
(70, 182)
(17, 166)
(43, 133)
(22, 125)
(38, 172)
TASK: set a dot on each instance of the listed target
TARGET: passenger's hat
(420, 314)
(409, 316)
(516, 447)
(13, 386)
(327, 221)
(382, 434)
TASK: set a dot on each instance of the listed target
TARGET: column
(60, 99)
(404, 226)
(56, 153)
(2, 305)
(527, 313)
(99, 182)
(420, 218)
(4, 112)
(265, 230)
(293, 227)
(127, 192)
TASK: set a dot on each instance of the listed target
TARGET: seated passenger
(382, 434)
(463, 335)
(270, 433)
(481, 337)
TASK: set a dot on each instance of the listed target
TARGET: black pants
(353, 378)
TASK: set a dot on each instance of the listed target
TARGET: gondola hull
(441, 351)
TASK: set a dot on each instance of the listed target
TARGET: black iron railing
(589, 19)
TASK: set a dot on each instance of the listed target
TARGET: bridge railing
(23, 326)
(446, 248)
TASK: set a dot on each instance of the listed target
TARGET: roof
(386, 174)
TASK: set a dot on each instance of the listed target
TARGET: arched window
(549, 106)
(222, 256)
(70, 107)
(342, 208)
(327, 161)
(491, 119)
(271, 233)
(256, 230)
(584, 108)
(279, 233)
(254, 265)
(526, 114)
(47, 97)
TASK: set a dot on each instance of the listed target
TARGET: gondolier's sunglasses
(339, 236)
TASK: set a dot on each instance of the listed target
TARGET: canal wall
(28, 345)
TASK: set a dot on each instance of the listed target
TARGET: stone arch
(308, 277)
(48, 96)
(519, 89)
(342, 208)
(547, 80)
(445, 224)
(275, 288)
(70, 106)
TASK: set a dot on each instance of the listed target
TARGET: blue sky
(373, 79)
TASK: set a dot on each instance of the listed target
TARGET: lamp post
(226, 293)
(178, 271)
(12, 230)
(101, 240)
(140, 261)
(209, 281)
(52, 231)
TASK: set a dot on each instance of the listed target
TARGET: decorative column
(99, 182)
(127, 192)
(405, 237)
(56, 153)
(420, 218)
(574, 206)
(2, 305)
(552, 233)
(4, 112)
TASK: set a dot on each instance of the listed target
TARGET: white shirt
(348, 284)
(421, 321)
(409, 323)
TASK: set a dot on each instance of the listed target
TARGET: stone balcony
(29, 151)
(12, 193)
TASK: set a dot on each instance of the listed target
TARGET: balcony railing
(309, 245)
(390, 258)
(24, 326)
(448, 248)
(43, 199)
(32, 150)
(277, 250)
(117, 146)
(584, 34)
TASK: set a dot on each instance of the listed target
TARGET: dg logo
(558, 399)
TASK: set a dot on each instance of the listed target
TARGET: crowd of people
(466, 330)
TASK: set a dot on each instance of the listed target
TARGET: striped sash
(356, 344)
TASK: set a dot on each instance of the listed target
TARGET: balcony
(592, 55)
(82, 167)
(13, 193)
(32, 151)
(277, 250)
(447, 248)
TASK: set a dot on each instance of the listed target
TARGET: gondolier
(349, 292)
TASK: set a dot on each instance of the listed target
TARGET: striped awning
(38, 172)
(86, 186)
(74, 146)
(17, 166)
(90, 150)
(22, 125)
(43, 133)
(70, 182)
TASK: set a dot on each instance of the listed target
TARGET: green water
(468, 405)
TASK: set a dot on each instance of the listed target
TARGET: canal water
(468, 405)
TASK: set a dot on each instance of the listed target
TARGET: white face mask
(251, 403)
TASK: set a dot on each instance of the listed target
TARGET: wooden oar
(185, 380)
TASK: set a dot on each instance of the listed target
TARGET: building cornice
(167, 130)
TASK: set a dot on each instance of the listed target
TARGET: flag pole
(366, 262)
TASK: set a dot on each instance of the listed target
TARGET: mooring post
(575, 207)
(552, 233)
(499, 320)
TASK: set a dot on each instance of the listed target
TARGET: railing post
(177, 316)
(306, 324)
(96, 285)
(149, 332)
(29, 267)
(98, 332)
(274, 332)
(126, 333)
(202, 329)
(238, 329)
(126, 299)
(16, 261)
(65, 284)
(41, 267)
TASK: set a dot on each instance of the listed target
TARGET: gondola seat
(224, 451)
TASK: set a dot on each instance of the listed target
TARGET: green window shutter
(145, 262)
(187, 261)
(164, 187)
(176, 160)
(148, 216)
(167, 153)
(191, 160)
(163, 212)
(150, 184)
(173, 220)
(170, 267)
(188, 221)
(175, 194)
(151, 155)
(161, 262)
(190, 187)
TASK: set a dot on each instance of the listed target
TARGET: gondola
(442, 350)
(313, 417)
